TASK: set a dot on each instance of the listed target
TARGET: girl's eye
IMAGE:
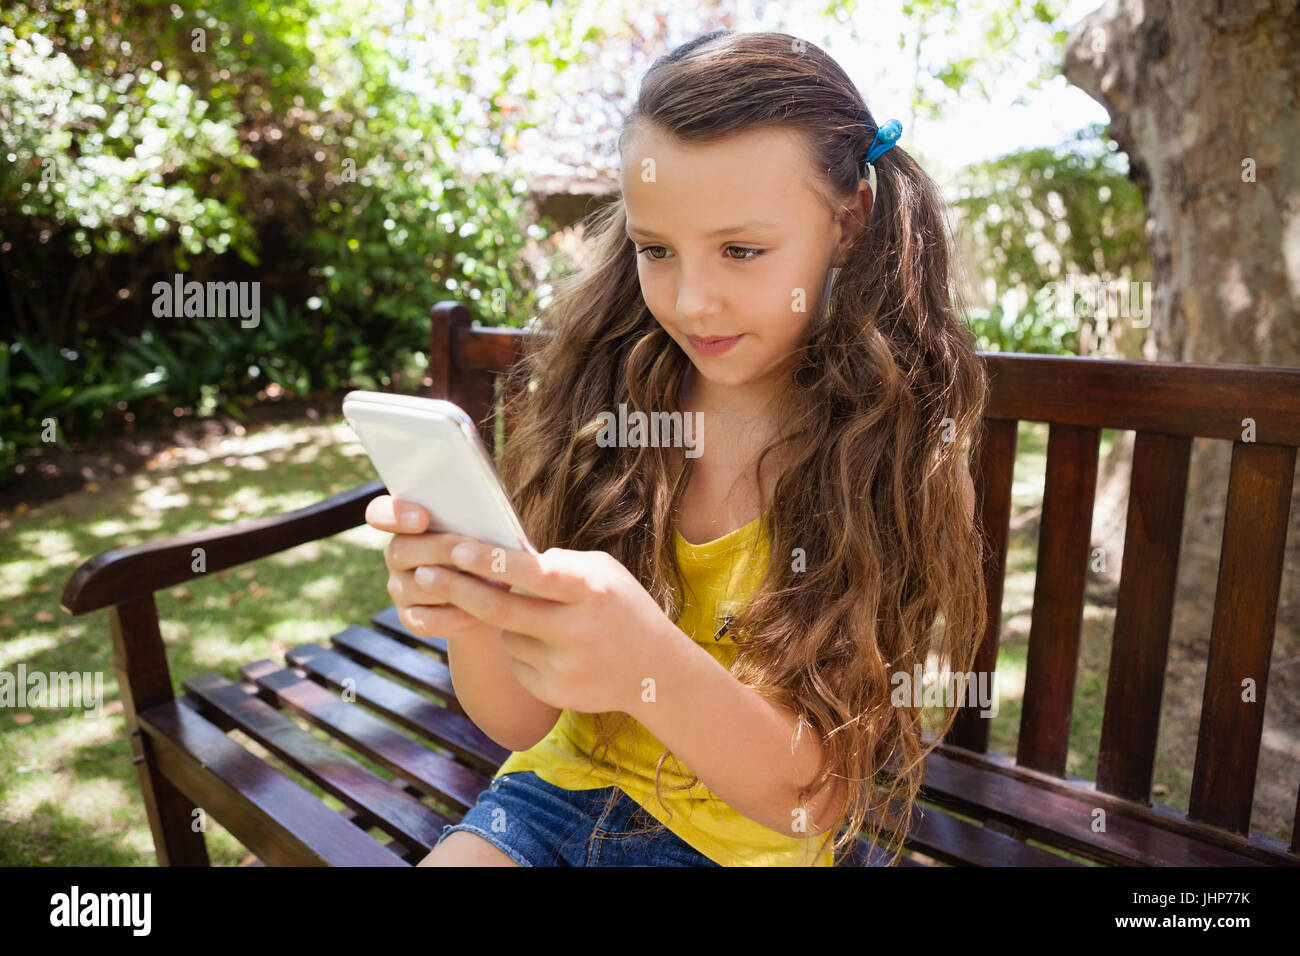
(754, 253)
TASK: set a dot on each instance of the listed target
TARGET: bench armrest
(125, 574)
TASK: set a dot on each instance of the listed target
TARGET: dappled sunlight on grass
(59, 759)
(159, 498)
(45, 543)
(205, 476)
(93, 731)
(17, 575)
(1031, 464)
(109, 528)
(86, 799)
(323, 589)
(291, 633)
(77, 799)
(26, 647)
(340, 437)
(217, 649)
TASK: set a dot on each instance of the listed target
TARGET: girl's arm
(492, 696)
(744, 748)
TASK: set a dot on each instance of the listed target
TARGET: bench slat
(279, 821)
(356, 817)
(1143, 614)
(958, 842)
(398, 814)
(444, 727)
(365, 821)
(387, 622)
(482, 407)
(1206, 400)
(993, 472)
(431, 772)
(374, 649)
(1062, 813)
(1241, 635)
(1059, 584)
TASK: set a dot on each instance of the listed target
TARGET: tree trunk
(1202, 96)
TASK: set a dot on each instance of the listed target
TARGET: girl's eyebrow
(724, 231)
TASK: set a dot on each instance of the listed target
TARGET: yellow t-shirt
(720, 576)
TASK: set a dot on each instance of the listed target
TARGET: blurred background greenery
(282, 143)
(279, 152)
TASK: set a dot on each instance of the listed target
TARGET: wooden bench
(983, 806)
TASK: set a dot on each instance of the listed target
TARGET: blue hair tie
(885, 138)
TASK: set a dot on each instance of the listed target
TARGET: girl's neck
(750, 405)
(737, 425)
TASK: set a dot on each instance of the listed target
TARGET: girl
(671, 695)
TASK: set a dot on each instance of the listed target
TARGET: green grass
(69, 794)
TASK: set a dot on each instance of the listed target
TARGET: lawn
(69, 793)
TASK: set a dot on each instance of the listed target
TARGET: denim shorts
(536, 823)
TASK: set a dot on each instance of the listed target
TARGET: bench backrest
(1166, 405)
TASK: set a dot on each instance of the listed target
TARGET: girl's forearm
(741, 746)
(493, 697)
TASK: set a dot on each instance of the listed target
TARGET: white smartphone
(427, 451)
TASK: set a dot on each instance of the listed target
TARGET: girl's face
(733, 241)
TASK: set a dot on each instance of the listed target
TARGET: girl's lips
(715, 346)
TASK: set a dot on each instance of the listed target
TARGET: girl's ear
(854, 217)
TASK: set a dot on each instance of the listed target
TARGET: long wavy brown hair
(886, 398)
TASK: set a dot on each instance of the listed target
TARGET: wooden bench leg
(144, 680)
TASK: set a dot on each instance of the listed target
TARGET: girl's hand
(583, 637)
(421, 611)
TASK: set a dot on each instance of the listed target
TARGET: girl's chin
(731, 376)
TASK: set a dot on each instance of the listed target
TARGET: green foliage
(1032, 218)
(1014, 32)
(92, 153)
(1032, 330)
(244, 140)
(40, 381)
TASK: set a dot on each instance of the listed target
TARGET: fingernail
(462, 554)
(424, 576)
(409, 520)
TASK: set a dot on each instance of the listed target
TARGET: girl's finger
(496, 606)
(406, 552)
(553, 575)
(386, 513)
(426, 621)
(405, 588)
